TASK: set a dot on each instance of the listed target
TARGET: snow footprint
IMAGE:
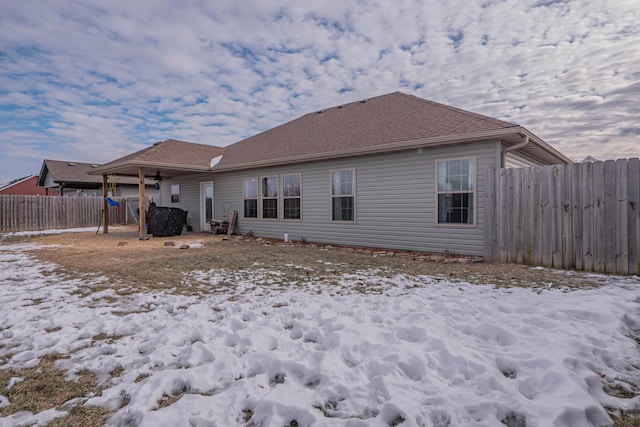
(440, 418)
(513, 419)
(411, 333)
(507, 367)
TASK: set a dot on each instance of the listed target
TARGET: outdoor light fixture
(157, 177)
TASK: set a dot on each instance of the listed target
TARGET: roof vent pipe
(525, 141)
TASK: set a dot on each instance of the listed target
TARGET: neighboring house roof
(386, 123)
(75, 174)
(395, 121)
(589, 159)
(164, 156)
(26, 186)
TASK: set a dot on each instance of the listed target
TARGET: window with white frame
(250, 196)
(175, 193)
(343, 194)
(456, 191)
(270, 197)
(292, 196)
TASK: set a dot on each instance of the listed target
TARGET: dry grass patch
(150, 265)
(82, 416)
(105, 337)
(629, 418)
(141, 378)
(167, 400)
(44, 387)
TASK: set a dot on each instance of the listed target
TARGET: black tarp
(162, 221)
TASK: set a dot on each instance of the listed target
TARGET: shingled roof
(169, 155)
(386, 123)
(375, 124)
(74, 173)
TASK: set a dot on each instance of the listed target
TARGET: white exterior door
(206, 205)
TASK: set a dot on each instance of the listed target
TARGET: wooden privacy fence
(27, 213)
(584, 216)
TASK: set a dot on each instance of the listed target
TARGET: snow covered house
(395, 171)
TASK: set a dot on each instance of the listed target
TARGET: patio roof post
(105, 205)
(142, 205)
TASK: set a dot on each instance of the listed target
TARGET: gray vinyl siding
(517, 160)
(395, 202)
(131, 190)
(189, 197)
(49, 182)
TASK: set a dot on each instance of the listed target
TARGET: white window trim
(257, 199)
(331, 196)
(171, 193)
(474, 159)
(299, 197)
(261, 198)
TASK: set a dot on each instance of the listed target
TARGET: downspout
(503, 157)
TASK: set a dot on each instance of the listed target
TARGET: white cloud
(90, 82)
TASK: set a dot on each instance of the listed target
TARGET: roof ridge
(358, 101)
(458, 110)
(190, 143)
(69, 161)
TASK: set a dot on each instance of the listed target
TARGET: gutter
(503, 156)
(108, 169)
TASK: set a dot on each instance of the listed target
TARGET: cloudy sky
(93, 80)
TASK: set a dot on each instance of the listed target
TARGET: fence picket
(598, 217)
(576, 217)
(556, 228)
(567, 213)
(511, 219)
(622, 219)
(536, 205)
(528, 216)
(489, 212)
(547, 216)
(610, 216)
(588, 216)
(503, 223)
(633, 198)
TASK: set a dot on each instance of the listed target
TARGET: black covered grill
(162, 221)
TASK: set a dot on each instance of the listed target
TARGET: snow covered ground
(416, 352)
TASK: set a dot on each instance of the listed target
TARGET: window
(456, 191)
(343, 186)
(175, 193)
(292, 196)
(250, 196)
(270, 197)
